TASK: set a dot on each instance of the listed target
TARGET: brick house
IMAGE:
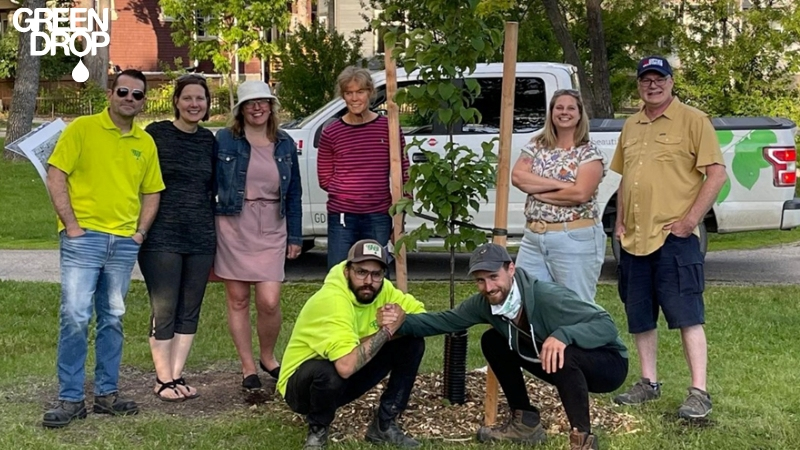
(140, 37)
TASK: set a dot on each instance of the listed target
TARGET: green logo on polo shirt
(136, 153)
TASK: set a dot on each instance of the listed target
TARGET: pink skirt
(252, 246)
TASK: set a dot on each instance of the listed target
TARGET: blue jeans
(346, 229)
(96, 266)
(570, 258)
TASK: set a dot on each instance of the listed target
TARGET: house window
(200, 22)
(530, 106)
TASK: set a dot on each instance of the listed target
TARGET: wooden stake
(396, 165)
(503, 175)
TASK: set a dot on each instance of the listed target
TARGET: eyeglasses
(362, 274)
(123, 92)
(647, 82)
(251, 104)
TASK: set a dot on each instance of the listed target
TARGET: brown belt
(541, 227)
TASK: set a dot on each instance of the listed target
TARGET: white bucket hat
(251, 90)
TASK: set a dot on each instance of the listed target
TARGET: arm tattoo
(369, 349)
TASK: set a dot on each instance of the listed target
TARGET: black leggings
(176, 284)
(598, 370)
(317, 390)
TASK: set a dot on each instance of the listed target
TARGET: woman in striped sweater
(353, 167)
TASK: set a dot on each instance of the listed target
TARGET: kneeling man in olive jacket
(538, 326)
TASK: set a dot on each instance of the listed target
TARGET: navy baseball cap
(489, 257)
(653, 64)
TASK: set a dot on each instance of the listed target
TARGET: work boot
(641, 392)
(317, 437)
(582, 441)
(389, 433)
(114, 405)
(523, 427)
(696, 406)
(64, 413)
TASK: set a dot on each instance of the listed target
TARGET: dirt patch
(428, 415)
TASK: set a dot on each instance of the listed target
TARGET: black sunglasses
(189, 76)
(123, 92)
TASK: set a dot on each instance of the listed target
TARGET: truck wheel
(615, 247)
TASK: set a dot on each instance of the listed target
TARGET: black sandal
(164, 387)
(274, 373)
(181, 382)
(251, 383)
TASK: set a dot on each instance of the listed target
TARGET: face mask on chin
(511, 306)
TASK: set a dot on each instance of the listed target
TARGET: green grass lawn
(753, 360)
(29, 222)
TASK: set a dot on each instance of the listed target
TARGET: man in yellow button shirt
(104, 180)
(672, 170)
(337, 352)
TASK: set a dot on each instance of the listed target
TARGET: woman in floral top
(560, 170)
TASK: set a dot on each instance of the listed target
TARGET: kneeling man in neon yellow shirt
(337, 352)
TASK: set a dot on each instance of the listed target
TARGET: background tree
(631, 29)
(26, 85)
(232, 29)
(447, 40)
(737, 62)
(604, 41)
(51, 67)
(311, 60)
(98, 64)
(558, 22)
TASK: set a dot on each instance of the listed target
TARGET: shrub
(312, 58)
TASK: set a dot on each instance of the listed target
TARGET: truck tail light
(299, 146)
(784, 165)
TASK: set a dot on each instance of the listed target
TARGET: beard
(364, 294)
(496, 297)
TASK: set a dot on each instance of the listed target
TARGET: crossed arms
(557, 192)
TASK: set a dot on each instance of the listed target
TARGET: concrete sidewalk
(35, 265)
(769, 265)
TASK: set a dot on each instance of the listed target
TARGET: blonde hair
(549, 137)
(357, 74)
(236, 123)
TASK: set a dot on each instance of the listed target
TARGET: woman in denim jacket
(259, 215)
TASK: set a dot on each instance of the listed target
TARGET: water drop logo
(80, 73)
(86, 26)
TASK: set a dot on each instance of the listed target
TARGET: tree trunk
(26, 86)
(571, 56)
(231, 87)
(602, 106)
(98, 64)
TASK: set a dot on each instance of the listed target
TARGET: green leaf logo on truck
(748, 157)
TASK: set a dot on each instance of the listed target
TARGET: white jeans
(571, 258)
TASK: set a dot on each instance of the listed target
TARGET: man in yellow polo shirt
(100, 169)
(672, 170)
(337, 352)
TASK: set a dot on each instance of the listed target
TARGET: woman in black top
(177, 256)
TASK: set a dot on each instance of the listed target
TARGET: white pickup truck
(759, 152)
